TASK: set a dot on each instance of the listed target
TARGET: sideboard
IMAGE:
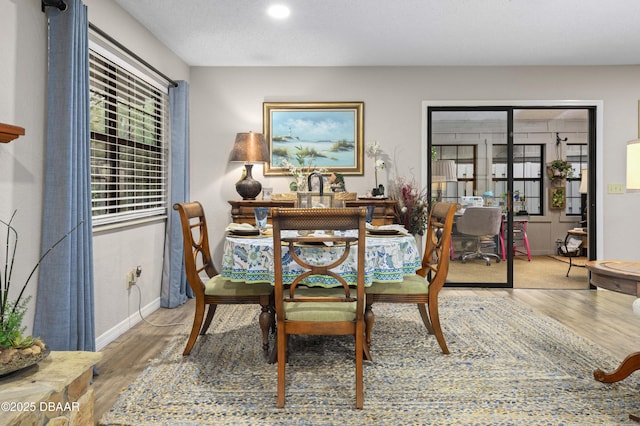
(384, 212)
(242, 210)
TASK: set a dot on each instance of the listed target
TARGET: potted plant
(559, 169)
(17, 351)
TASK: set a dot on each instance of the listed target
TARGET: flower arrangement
(304, 160)
(412, 205)
(373, 150)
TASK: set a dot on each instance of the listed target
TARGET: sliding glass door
(471, 163)
(497, 158)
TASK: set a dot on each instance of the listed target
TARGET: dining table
(389, 257)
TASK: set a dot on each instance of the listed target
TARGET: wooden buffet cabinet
(383, 213)
(242, 210)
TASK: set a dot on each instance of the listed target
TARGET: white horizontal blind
(129, 144)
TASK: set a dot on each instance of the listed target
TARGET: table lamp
(633, 166)
(249, 148)
(443, 171)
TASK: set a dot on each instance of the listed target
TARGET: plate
(383, 231)
(245, 232)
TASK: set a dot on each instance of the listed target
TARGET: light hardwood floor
(602, 316)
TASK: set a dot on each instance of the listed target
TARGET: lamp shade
(443, 171)
(633, 166)
(584, 181)
(250, 147)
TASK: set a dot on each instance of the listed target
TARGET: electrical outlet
(131, 278)
(615, 188)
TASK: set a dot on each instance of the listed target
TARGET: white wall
(22, 103)
(229, 100)
(23, 78)
(119, 251)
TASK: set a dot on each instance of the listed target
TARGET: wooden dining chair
(215, 290)
(422, 288)
(311, 310)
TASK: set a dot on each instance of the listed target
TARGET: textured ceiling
(395, 32)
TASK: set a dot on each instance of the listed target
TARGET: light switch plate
(615, 188)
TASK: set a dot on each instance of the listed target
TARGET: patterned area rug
(508, 365)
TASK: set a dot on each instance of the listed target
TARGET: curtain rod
(58, 4)
(129, 52)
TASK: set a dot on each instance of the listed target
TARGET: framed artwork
(308, 135)
(557, 197)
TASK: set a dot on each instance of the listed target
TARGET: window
(465, 159)
(129, 140)
(527, 176)
(578, 156)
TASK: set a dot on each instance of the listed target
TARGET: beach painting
(322, 135)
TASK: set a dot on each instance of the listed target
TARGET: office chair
(483, 223)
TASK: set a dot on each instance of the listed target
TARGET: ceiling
(395, 33)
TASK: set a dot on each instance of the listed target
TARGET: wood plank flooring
(602, 316)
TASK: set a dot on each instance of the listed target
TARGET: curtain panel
(64, 316)
(175, 290)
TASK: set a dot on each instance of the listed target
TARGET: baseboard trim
(125, 325)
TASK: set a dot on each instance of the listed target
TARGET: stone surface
(56, 391)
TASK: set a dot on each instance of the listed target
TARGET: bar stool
(520, 239)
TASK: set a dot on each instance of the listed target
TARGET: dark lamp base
(248, 188)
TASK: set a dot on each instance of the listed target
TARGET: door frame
(596, 188)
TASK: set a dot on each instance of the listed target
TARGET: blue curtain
(64, 316)
(175, 289)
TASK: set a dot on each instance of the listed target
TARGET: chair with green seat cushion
(314, 310)
(216, 290)
(422, 288)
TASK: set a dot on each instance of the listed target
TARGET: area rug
(508, 365)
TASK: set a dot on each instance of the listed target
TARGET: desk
(387, 259)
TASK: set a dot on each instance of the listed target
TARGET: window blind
(129, 143)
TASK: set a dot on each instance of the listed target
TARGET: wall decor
(314, 135)
(557, 198)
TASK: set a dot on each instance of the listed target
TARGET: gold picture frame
(557, 198)
(327, 135)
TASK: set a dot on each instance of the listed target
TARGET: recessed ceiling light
(278, 11)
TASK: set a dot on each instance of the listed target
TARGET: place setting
(247, 230)
(386, 230)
